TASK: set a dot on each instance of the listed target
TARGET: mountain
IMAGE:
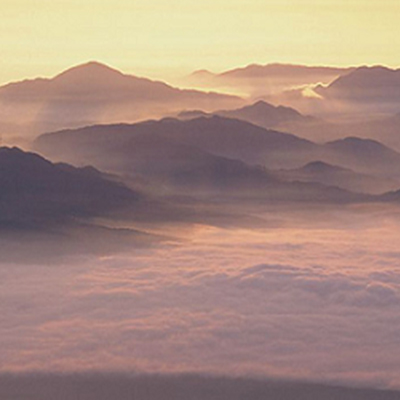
(180, 152)
(258, 80)
(260, 113)
(94, 93)
(219, 136)
(383, 129)
(386, 130)
(162, 162)
(368, 88)
(281, 118)
(393, 196)
(362, 155)
(193, 114)
(264, 114)
(182, 157)
(36, 192)
(331, 175)
(298, 73)
(201, 75)
(216, 135)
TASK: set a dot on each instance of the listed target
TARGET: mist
(302, 299)
(163, 242)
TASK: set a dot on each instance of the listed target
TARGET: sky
(165, 38)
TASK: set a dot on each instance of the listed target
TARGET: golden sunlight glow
(162, 38)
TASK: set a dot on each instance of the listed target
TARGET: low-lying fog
(312, 294)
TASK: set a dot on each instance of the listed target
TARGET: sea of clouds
(318, 302)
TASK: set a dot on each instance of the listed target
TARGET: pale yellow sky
(162, 38)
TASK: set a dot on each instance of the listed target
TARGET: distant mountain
(258, 80)
(162, 161)
(260, 113)
(37, 193)
(216, 135)
(193, 114)
(331, 175)
(201, 75)
(376, 88)
(363, 155)
(265, 114)
(365, 83)
(224, 137)
(294, 71)
(393, 196)
(94, 93)
(320, 167)
(382, 129)
(181, 157)
(386, 130)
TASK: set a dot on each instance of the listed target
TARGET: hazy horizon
(149, 35)
(176, 76)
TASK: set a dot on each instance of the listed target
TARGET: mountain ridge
(94, 93)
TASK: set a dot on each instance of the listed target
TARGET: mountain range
(93, 93)
(260, 113)
(286, 119)
(332, 175)
(365, 89)
(36, 192)
(259, 80)
(220, 154)
(219, 136)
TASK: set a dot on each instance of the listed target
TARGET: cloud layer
(318, 303)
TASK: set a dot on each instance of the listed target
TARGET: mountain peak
(355, 141)
(264, 114)
(92, 70)
(262, 104)
(202, 73)
(14, 155)
(320, 167)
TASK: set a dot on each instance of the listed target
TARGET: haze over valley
(200, 201)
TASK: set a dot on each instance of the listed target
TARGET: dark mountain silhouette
(94, 93)
(318, 171)
(36, 192)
